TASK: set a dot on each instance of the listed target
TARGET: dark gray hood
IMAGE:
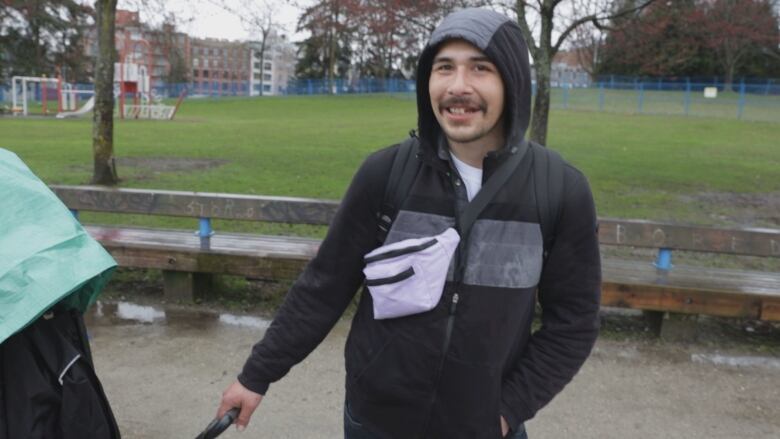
(501, 40)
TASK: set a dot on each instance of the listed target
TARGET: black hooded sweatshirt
(451, 372)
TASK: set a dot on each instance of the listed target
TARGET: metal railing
(756, 99)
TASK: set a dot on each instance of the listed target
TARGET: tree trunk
(541, 110)
(334, 16)
(542, 66)
(729, 79)
(104, 172)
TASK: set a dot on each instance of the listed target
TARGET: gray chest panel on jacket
(503, 254)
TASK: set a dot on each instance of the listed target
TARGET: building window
(267, 66)
(257, 76)
(195, 73)
(205, 73)
(267, 77)
(257, 65)
(196, 62)
(266, 87)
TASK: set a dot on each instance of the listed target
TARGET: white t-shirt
(472, 177)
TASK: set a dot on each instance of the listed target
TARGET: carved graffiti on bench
(756, 242)
(199, 204)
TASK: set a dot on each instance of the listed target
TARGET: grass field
(692, 170)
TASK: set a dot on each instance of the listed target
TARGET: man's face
(467, 94)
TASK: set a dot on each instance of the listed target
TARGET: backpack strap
(548, 182)
(402, 175)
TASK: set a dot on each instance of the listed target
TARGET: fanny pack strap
(483, 197)
(489, 190)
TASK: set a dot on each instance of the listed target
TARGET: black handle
(217, 426)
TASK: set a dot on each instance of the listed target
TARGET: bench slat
(695, 290)
(258, 246)
(626, 284)
(271, 257)
(711, 279)
(745, 241)
(198, 204)
(685, 300)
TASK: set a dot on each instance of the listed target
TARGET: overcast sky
(203, 18)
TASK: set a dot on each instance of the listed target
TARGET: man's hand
(504, 427)
(239, 396)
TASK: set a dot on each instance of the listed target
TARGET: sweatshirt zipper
(445, 348)
(449, 327)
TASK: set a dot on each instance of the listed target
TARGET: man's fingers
(223, 408)
(243, 418)
(237, 395)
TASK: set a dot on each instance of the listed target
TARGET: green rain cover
(45, 255)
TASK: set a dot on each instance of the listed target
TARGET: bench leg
(654, 320)
(679, 327)
(674, 327)
(182, 286)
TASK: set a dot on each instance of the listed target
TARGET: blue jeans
(353, 429)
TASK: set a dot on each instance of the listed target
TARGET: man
(470, 367)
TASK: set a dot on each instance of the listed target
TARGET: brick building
(219, 66)
(210, 66)
(158, 49)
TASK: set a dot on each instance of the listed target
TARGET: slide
(80, 112)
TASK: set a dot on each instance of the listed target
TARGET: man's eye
(443, 67)
(482, 68)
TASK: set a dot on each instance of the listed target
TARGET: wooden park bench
(187, 258)
(661, 286)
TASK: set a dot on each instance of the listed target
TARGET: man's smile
(460, 110)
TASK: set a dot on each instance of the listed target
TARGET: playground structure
(131, 81)
(67, 97)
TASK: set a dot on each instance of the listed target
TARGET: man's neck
(472, 153)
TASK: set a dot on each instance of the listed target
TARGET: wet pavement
(164, 369)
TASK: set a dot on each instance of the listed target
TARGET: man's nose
(460, 82)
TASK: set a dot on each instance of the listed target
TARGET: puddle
(737, 361)
(145, 314)
(245, 321)
(113, 313)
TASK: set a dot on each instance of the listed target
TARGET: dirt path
(164, 370)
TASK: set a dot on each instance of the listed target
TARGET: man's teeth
(456, 110)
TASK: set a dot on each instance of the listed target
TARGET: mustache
(463, 101)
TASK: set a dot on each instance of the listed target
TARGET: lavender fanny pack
(407, 277)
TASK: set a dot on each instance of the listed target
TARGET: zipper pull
(455, 298)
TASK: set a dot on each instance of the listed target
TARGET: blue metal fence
(696, 83)
(343, 86)
(741, 100)
(746, 99)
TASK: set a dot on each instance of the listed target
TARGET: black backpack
(548, 167)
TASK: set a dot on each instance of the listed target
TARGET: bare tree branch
(595, 19)
(525, 29)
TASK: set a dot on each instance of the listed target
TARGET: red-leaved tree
(735, 28)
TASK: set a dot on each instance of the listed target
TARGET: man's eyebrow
(442, 59)
(481, 58)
